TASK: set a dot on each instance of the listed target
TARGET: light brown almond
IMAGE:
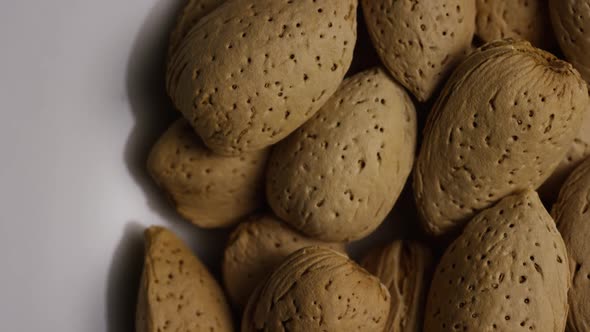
(528, 20)
(406, 268)
(502, 124)
(254, 70)
(508, 271)
(207, 189)
(420, 42)
(571, 23)
(572, 215)
(318, 289)
(256, 247)
(192, 12)
(177, 291)
(338, 176)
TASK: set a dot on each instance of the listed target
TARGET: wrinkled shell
(571, 23)
(177, 293)
(507, 272)
(572, 216)
(503, 122)
(207, 189)
(192, 12)
(528, 20)
(579, 150)
(318, 289)
(338, 176)
(420, 42)
(247, 80)
(406, 269)
(255, 249)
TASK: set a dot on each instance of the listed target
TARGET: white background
(82, 101)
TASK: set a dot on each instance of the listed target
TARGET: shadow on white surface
(123, 280)
(152, 110)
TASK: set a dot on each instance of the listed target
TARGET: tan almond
(508, 271)
(318, 289)
(528, 20)
(406, 268)
(572, 215)
(256, 247)
(571, 23)
(207, 189)
(579, 150)
(254, 71)
(177, 291)
(338, 176)
(420, 42)
(192, 12)
(502, 124)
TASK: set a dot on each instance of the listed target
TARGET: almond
(571, 23)
(339, 175)
(318, 289)
(502, 124)
(528, 20)
(177, 291)
(256, 247)
(193, 11)
(571, 213)
(579, 150)
(420, 42)
(253, 71)
(208, 189)
(406, 269)
(507, 272)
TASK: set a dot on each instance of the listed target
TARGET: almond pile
(296, 142)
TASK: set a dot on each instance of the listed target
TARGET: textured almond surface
(177, 293)
(318, 289)
(508, 271)
(207, 189)
(519, 19)
(192, 12)
(338, 176)
(579, 150)
(571, 23)
(572, 215)
(503, 122)
(255, 249)
(406, 269)
(420, 42)
(253, 71)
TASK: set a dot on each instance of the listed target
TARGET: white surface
(82, 99)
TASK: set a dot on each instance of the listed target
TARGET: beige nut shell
(571, 213)
(420, 42)
(247, 80)
(528, 20)
(571, 23)
(177, 292)
(208, 189)
(503, 122)
(579, 150)
(318, 289)
(338, 176)
(406, 268)
(256, 247)
(192, 12)
(508, 271)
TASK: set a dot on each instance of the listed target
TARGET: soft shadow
(401, 223)
(151, 108)
(123, 279)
